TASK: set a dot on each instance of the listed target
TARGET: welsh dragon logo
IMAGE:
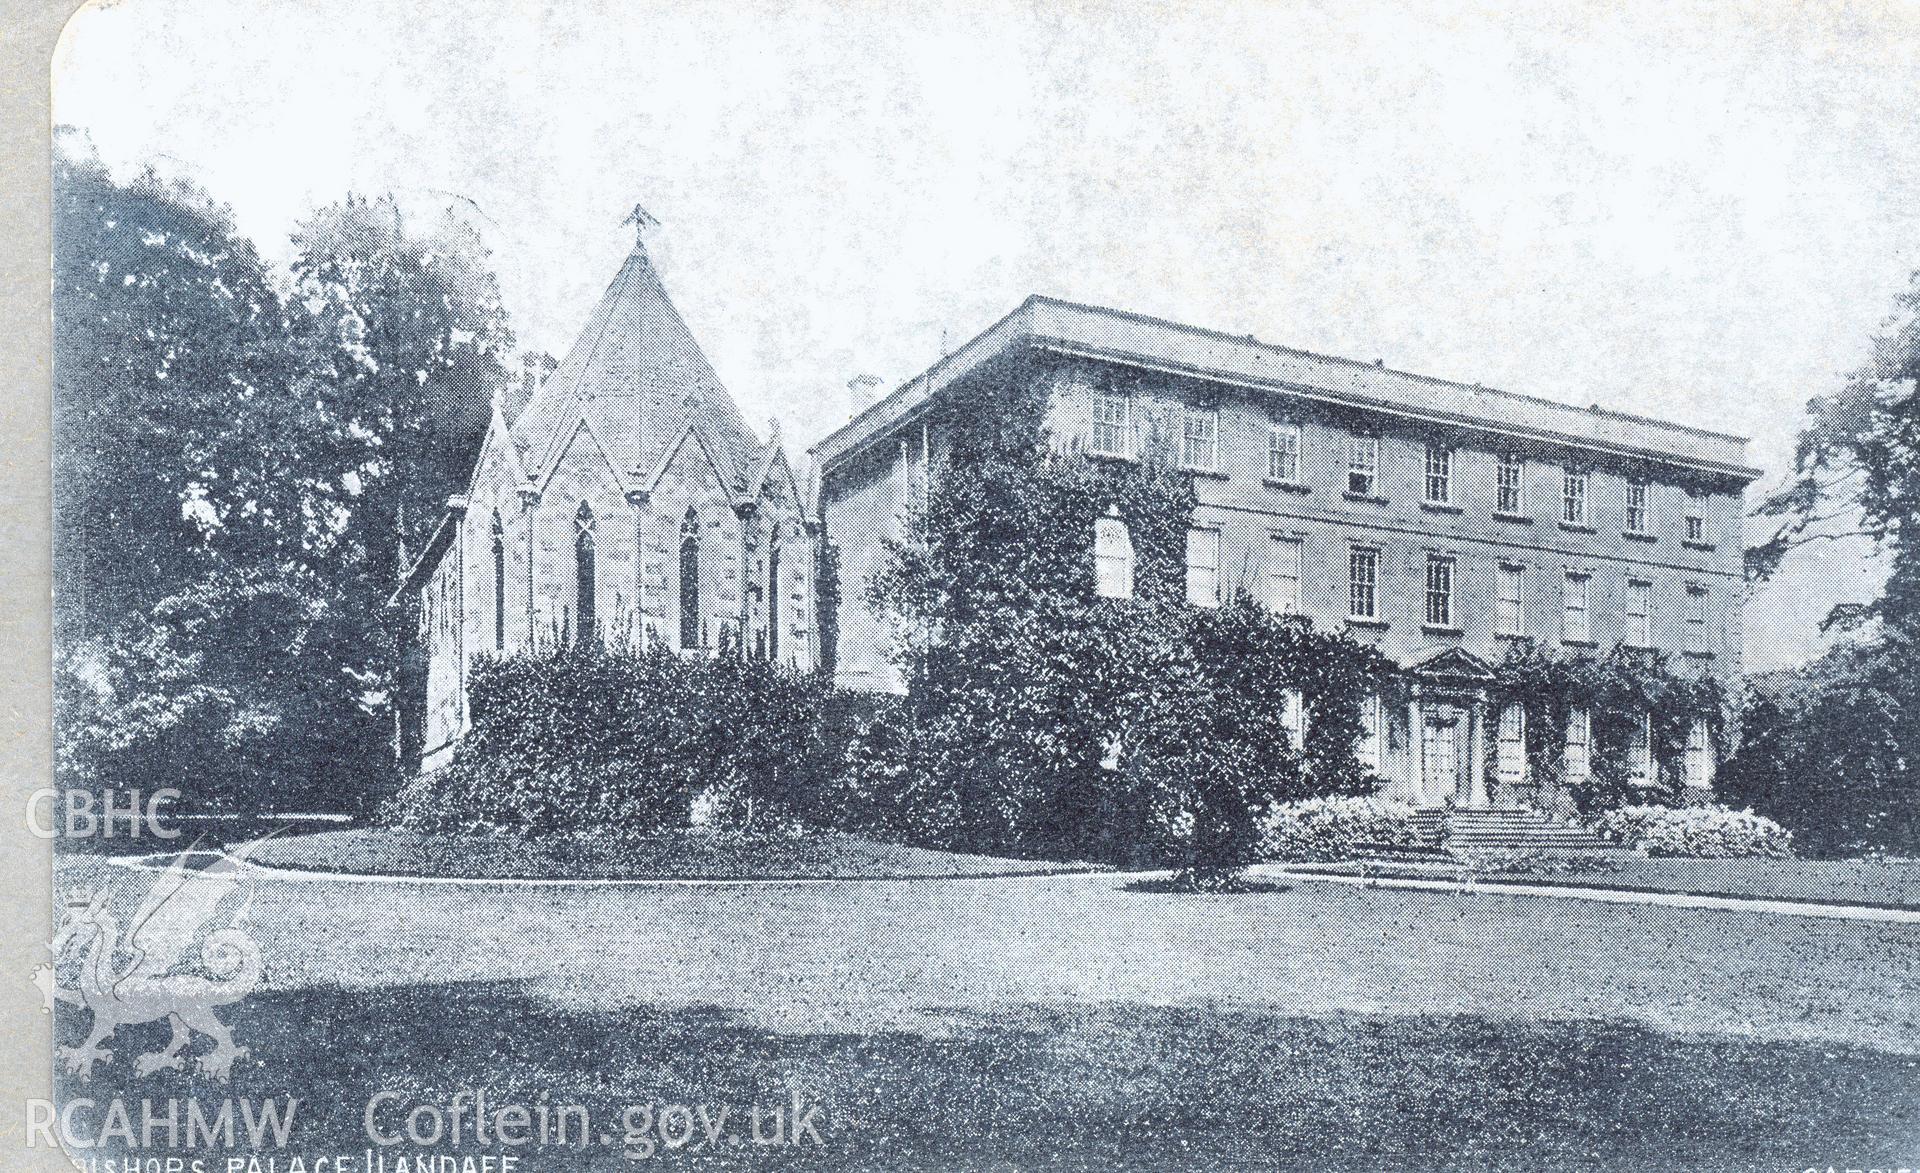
(177, 957)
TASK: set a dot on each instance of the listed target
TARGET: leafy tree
(201, 644)
(412, 342)
(233, 470)
(179, 402)
(1847, 728)
(1857, 469)
(1825, 750)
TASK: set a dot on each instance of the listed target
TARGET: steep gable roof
(638, 372)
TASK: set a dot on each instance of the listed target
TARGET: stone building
(1439, 521)
(628, 501)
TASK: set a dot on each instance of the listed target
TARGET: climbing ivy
(1041, 717)
(1616, 689)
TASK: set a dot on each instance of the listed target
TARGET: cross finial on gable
(643, 224)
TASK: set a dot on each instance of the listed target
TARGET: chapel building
(627, 502)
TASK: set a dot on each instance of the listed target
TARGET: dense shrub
(1698, 832)
(1830, 750)
(626, 741)
(1334, 828)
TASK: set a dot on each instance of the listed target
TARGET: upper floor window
(1573, 497)
(1112, 557)
(1696, 528)
(1574, 597)
(1639, 613)
(1363, 582)
(1203, 567)
(1439, 591)
(1283, 453)
(1198, 437)
(1509, 489)
(1439, 480)
(1696, 620)
(1112, 423)
(1636, 507)
(1363, 465)
(1510, 614)
(1283, 574)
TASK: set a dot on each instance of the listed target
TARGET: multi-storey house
(1437, 520)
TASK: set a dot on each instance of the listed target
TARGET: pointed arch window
(773, 601)
(690, 580)
(583, 573)
(499, 538)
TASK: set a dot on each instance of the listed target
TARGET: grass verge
(1870, 883)
(667, 855)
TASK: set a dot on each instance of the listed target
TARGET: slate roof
(1095, 332)
(640, 379)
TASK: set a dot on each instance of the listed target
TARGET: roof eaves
(1359, 365)
(428, 559)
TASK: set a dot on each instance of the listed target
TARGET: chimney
(863, 391)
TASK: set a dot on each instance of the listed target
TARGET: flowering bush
(1698, 832)
(1328, 829)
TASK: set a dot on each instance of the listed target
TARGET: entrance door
(1439, 755)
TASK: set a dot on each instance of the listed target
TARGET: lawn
(1089, 1087)
(1082, 1022)
(670, 855)
(1877, 883)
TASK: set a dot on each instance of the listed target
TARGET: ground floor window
(1511, 756)
(1699, 754)
(1112, 557)
(1579, 745)
(1640, 749)
(1203, 567)
(1293, 717)
(1373, 728)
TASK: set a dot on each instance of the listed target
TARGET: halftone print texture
(1104, 717)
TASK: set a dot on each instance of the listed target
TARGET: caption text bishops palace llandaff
(1439, 521)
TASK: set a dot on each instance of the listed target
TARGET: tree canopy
(239, 457)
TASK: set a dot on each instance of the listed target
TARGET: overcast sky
(1689, 212)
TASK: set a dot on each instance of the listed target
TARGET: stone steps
(1502, 828)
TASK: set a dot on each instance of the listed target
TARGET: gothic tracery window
(583, 571)
(499, 584)
(690, 581)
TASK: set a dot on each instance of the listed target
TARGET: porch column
(1477, 752)
(1416, 735)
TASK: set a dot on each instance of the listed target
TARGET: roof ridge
(1361, 364)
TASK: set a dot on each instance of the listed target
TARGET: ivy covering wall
(1618, 690)
(1042, 717)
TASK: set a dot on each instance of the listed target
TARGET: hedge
(626, 741)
